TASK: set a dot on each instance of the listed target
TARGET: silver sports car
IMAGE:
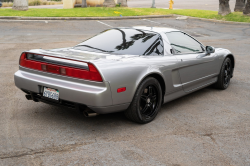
(134, 70)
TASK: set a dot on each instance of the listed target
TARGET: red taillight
(119, 90)
(94, 73)
(91, 74)
(22, 59)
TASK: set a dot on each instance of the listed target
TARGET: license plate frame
(51, 93)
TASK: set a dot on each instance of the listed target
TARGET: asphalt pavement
(207, 127)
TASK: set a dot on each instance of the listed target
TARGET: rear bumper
(97, 97)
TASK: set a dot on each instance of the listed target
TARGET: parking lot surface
(207, 127)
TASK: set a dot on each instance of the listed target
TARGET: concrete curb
(82, 18)
(116, 18)
(212, 20)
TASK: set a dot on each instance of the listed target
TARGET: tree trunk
(239, 5)
(153, 4)
(20, 5)
(224, 8)
(246, 11)
(109, 3)
(84, 3)
(123, 3)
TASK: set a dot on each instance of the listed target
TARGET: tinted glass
(183, 43)
(155, 49)
(124, 41)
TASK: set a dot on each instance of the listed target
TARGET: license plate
(51, 93)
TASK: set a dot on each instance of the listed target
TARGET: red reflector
(44, 67)
(63, 71)
(119, 90)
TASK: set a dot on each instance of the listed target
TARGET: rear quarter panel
(129, 73)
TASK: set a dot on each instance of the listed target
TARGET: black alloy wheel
(146, 102)
(225, 75)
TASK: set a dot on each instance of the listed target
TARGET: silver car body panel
(182, 74)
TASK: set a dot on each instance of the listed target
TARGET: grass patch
(112, 12)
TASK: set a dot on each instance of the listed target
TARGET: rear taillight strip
(56, 61)
(91, 74)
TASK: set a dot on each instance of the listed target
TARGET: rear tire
(146, 102)
(225, 75)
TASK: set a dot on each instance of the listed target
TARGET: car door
(196, 68)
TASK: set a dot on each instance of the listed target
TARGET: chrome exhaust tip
(89, 113)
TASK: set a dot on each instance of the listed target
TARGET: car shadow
(61, 114)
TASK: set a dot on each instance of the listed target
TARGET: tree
(239, 5)
(20, 5)
(84, 3)
(153, 4)
(123, 3)
(109, 3)
(224, 8)
(246, 11)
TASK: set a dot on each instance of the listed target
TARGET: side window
(183, 43)
(156, 48)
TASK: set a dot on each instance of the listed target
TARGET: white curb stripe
(105, 24)
(152, 21)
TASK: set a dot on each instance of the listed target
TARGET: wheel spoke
(153, 98)
(150, 90)
(144, 109)
(151, 112)
(151, 107)
(144, 98)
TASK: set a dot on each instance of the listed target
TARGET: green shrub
(7, 4)
(35, 3)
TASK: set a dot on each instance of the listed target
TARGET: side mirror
(210, 49)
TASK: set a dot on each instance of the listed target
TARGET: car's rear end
(63, 81)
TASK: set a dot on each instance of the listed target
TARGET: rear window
(124, 41)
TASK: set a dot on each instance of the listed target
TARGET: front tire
(225, 75)
(146, 102)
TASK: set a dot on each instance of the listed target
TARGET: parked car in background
(1, 3)
(134, 70)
